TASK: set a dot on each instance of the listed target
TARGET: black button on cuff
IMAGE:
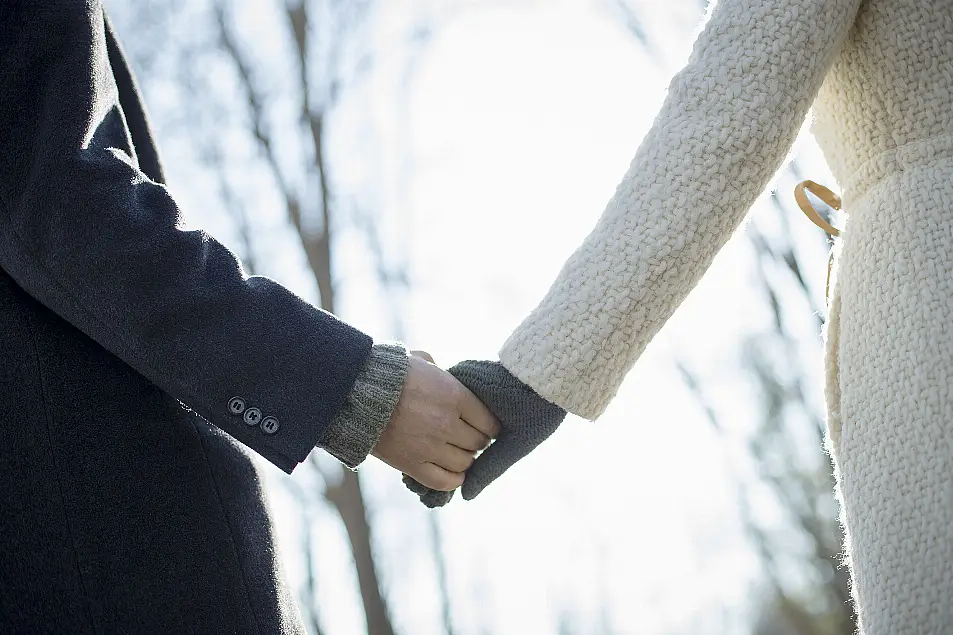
(236, 405)
(269, 425)
(252, 416)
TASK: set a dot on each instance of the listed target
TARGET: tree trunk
(348, 500)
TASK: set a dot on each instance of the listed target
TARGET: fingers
(452, 458)
(503, 454)
(430, 497)
(417, 488)
(477, 415)
(438, 478)
(490, 465)
(466, 437)
(434, 498)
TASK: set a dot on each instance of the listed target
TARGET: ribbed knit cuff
(357, 428)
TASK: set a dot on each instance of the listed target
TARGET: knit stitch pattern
(526, 420)
(729, 119)
(884, 120)
(358, 425)
(882, 74)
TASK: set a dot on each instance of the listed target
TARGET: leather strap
(833, 201)
(821, 192)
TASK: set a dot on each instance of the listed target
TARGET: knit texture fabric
(881, 74)
(431, 498)
(526, 420)
(727, 124)
(884, 120)
(357, 427)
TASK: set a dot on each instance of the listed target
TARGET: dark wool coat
(136, 361)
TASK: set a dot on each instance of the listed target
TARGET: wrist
(354, 432)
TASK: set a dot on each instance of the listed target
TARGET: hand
(527, 419)
(436, 429)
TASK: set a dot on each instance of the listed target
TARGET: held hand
(436, 429)
(527, 419)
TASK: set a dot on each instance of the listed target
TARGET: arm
(84, 231)
(727, 124)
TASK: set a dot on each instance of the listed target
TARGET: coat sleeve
(84, 231)
(727, 123)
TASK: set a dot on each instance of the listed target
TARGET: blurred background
(423, 168)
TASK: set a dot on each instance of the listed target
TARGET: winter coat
(136, 361)
(879, 74)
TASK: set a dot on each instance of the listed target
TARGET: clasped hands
(444, 418)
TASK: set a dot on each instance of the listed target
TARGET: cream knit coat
(879, 74)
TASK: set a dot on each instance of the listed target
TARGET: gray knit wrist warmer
(357, 428)
(526, 418)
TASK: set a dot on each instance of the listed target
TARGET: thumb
(488, 467)
(526, 418)
(499, 457)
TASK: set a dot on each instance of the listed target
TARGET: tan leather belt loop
(822, 193)
(832, 200)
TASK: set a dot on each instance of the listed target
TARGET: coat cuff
(357, 427)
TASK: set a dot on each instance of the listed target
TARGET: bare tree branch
(629, 18)
(344, 492)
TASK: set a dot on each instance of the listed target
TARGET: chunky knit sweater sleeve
(729, 120)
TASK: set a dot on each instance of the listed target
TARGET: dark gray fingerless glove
(526, 418)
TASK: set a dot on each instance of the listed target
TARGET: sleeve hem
(357, 427)
(588, 409)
